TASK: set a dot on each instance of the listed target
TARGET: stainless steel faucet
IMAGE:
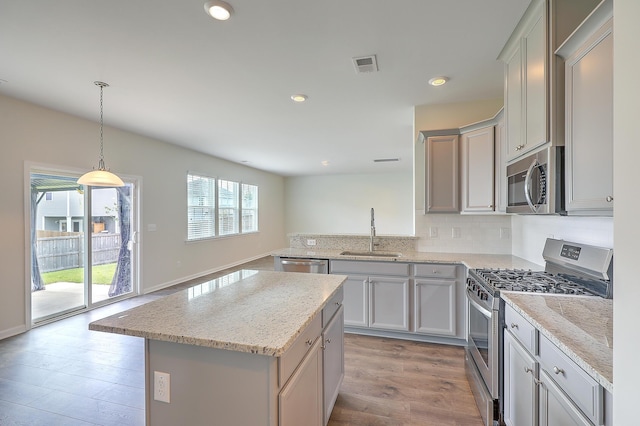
(373, 230)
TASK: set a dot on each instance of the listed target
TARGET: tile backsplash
(461, 233)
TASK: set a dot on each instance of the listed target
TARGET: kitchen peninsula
(263, 350)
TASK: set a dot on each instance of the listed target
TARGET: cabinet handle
(609, 198)
(328, 340)
(435, 271)
(528, 370)
(538, 382)
(337, 303)
(309, 342)
(558, 370)
(514, 325)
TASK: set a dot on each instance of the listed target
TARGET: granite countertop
(471, 260)
(581, 326)
(261, 314)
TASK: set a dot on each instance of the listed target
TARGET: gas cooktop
(530, 281)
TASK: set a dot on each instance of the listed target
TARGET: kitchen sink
(371, 253)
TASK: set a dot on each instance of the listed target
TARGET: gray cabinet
(389, 303)
(332, 361)
(300, 401)
(542, 385)
(534, 76)
(441, 174)
(376, 294)
(478, 160)
(436, 299)
(589, 115)
(520, 389)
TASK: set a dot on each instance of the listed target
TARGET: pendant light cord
(101, 165)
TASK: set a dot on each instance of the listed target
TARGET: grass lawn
(102, 274)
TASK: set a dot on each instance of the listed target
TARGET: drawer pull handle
(528, 370)
(558, 370)
(435, 271)
(609, 199)
(309, 342)
(328, 340)
(514, 325)
(337, 303)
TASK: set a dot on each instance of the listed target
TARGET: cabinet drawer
(521, 329)
(332, 307)
(369, 268)
(290, 360)
(435, 270)
(585, 392)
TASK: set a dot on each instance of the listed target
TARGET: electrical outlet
(455, 232)
(433, 232)
(311, 242)
(505, 233)
(161, 386)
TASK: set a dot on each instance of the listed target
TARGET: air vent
(366, 64)
(385, 160)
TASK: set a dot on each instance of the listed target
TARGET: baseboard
(12, 331)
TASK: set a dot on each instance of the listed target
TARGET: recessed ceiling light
(299, 97)
(438, 81)
(218, 9)
(325, 163)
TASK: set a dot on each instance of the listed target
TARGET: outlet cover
(455, 232)
(433, 232)
(505, 233)
(162, 386)
(311, 242)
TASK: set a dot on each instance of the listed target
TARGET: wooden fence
(67, 251)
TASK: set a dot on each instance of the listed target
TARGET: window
(218, 207)
(228, 202)
(201, 207)
(249, 208)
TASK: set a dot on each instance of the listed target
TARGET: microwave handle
(527, 185)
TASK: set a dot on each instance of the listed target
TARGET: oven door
(483, 342)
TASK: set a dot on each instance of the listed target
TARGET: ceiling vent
(366, 64)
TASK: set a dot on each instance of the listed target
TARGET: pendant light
(102, 176)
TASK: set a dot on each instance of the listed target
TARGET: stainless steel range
(571, 269)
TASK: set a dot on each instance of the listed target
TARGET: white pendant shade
(100, 178)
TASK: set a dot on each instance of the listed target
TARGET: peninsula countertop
(261, 314)
(470, 260)
(581, 326)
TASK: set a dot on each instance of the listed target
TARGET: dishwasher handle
(311, 266)
(303, 262)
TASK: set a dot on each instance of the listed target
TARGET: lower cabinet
(300, 401)
(520, 388)
(545, 387)
(418, 298)
(332, 361)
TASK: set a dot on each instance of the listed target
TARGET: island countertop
(261, 314)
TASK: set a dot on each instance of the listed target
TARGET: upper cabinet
(441, 174)
(534, 113)
(588, 54)
(478, 157)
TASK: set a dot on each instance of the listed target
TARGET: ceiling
(223, 88)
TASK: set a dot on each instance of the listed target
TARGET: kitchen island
(251, 352)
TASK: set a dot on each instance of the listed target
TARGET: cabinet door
(556, 408)
(520, 396)
(535, 93)
(356, 301)
(513, 103)
(441, 174)
(389, 303)
(435, 307)
(589, 137)
(300, 401)
(332, 361)
(477, 170)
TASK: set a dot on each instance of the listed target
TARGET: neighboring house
(64, 210)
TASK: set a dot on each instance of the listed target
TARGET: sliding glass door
(82, 245)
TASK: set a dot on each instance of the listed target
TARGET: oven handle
(482, 309)
(527, 185)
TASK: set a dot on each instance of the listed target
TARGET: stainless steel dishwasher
(311, 266)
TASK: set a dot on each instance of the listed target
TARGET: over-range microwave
(535, 183)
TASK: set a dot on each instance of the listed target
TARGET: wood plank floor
(63, 374)
(403, 383)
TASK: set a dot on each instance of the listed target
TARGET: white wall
(626, 315)
(30, 133)
(341, 204)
